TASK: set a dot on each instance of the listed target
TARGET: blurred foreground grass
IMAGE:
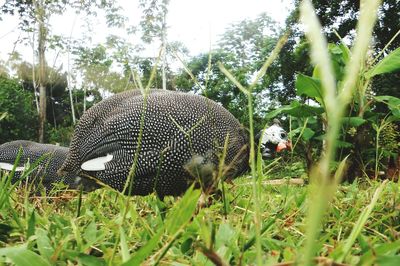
(43, 231)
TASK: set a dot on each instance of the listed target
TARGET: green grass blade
(182, 211)
(44, 244)
(365, 214)
(124, 246)
(142, 254)
(20, 256)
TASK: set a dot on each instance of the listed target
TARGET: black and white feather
(52, 157)
(183, 134)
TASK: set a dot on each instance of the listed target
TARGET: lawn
(112, 229)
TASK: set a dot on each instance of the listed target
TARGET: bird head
(273, 139)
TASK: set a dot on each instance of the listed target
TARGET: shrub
(21, 119)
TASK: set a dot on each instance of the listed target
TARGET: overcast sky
(195, 23)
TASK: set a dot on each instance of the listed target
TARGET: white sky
(196, 24)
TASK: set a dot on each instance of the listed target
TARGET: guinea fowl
(51, 156)
(167, 138)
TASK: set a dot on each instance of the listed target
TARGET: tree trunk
(33, 74)
(69, 78)
(164, 52)
(84, 99)
(40, 16)
(69, 82)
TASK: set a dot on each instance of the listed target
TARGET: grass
(52, 230)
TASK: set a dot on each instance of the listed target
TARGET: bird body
(51, 156)
(166, 139)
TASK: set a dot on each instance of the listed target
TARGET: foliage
(96, 67)
(152, 23)
(339, 16)
(59, 237)
(362, 115)
(61, 135)
(242, 49)
(20, 121)
(34, 18)
(112, 67)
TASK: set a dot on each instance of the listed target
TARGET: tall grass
(248, 92)
(336, 99)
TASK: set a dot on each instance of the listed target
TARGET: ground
(112, 229)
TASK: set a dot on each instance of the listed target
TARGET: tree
(242, 49)
(154, 26)
(339, 17)
(34, 17)
(19, 121)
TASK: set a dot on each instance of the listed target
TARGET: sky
(196, 23)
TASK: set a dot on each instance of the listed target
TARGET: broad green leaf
(31, 225)
(88, 260)
(225, 235)
(308, 133)
(390, 63)
(388, 260)
(3, 115)
(309, 86)
(343, 144)
(294, 132)
(186, 245)
(278, 111)
(353, 121)
(392, 102)
(296, 109)
(304, 110)
(142, 254)
(44, 244)
(124, 246)
(20, 256)
(90, 233)
(380, 250)
(183, 211)
(345, 52)
(389, 99)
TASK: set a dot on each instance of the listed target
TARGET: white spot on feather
(9, 167)
(97, 164)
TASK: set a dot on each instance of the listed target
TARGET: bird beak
(286, 145)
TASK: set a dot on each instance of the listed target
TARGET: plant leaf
(124, 246)
(145, 250)
(88, 260)
(308, 133)
(44, 244)
(21, 256)
(296, 109)
(343, 144)
(31, 225)
(353, 121)
(388, 260)
(392, 102)
(182, 212)
(309, 86)
(390, 63)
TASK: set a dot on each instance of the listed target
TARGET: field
(113, 229)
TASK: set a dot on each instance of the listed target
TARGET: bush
(21, 119)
